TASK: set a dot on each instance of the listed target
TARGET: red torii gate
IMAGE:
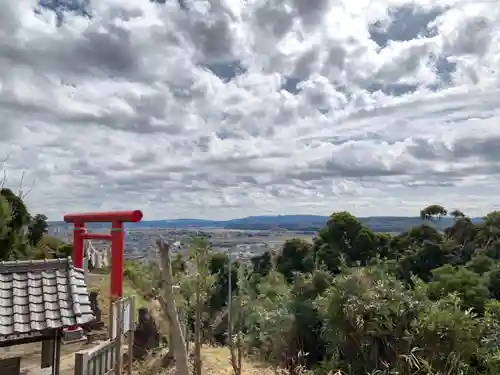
(117, 238)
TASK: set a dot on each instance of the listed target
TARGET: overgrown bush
(359, 302)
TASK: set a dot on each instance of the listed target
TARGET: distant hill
(280, 222)
(288, 222)
(299, 223)
(312, 223)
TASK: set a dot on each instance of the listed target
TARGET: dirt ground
(31, 357)
(215, 360)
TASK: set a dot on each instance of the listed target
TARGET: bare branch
(4, 160)
(4, 179)
(21, 194)
(2, 164)
(29, 190)
(20, 189)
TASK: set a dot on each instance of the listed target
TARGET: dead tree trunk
(179, 348)
(235, 350)
(197, 328)
(233, 323)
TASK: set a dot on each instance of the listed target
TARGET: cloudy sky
(228, 108)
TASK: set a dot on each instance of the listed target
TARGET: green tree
(448, 337)
(422, 302)
(480, 264)
(494, 283)
(200, 250)
(366, 314)
(434, 211)
(5, 228)
(456, 214)
(488, 232)
(462, 230)
(345, 239)
(65, 250)
(270, 319)
(468, 285)
(20, 214)
(262, 264)
(219, 269)
(38, 227)
(14, 245)
(296, 256)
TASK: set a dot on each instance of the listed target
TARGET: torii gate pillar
(117, 238)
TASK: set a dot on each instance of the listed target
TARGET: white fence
(100, 360)
(106, 358)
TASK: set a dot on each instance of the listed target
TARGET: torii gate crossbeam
(117, 238)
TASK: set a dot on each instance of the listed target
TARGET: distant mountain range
(299, 223)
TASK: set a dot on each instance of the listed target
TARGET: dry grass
(216, 362)
(101, 283)
(215, 359)
(30, 355)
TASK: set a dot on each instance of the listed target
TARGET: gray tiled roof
(39, 295)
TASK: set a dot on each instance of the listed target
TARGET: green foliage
(23, 236)
(15, 241)
(296, 256)
(434, 211)
(219, 269)
(481, 264)
(270, 319)
(366, 315)
(37, 229)
(145, 277)
(468, 285)
(5, 228)
(14, 218)
(20, 215)
(422, 302)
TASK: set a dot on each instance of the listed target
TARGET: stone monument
(146, 335)
(97, 323)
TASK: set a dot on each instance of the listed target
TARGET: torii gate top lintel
(104, 217)
(117, 238)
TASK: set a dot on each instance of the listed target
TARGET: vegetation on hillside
(425, 301)
(296, 223)
(23, 235)
(421, 302)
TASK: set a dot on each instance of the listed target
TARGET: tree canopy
(351, 301)
(24, 236)
(356, 301)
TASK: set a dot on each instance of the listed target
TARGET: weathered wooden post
(131, 334)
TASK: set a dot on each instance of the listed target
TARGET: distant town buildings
(140, 243)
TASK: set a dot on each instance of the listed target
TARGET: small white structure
(94, 257)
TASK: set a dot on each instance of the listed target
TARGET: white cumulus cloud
(227, 108)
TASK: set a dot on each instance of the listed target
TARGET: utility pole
(229, 301)
(235, 355)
